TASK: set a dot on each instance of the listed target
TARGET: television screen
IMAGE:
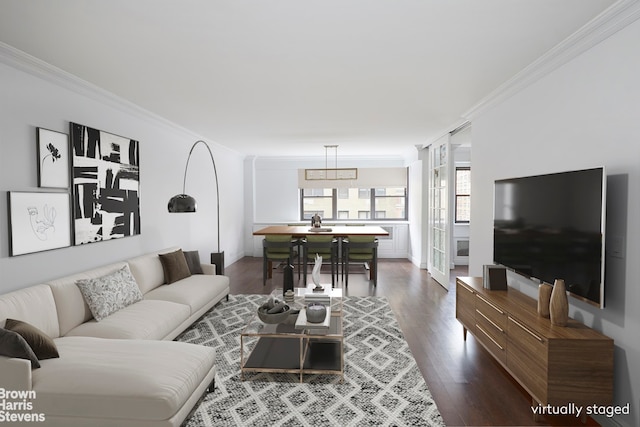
(549, 227)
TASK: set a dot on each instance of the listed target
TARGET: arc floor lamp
(184, 203)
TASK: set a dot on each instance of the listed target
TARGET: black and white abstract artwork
(53, 158)
(38, 221)
(106, 185)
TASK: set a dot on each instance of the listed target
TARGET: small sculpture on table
(315, 274)
(316, 221)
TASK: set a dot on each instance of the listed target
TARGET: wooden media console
(556, 365)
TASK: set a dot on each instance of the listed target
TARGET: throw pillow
(193, 261)
(175, 266)
(13, 345)
(41, 343)
(112, 292)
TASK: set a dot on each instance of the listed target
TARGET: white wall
(584, 114)
(52, 102)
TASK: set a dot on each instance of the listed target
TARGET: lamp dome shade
(182, 203)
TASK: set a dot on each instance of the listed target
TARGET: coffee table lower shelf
(297, 355)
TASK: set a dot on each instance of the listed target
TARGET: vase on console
(544, 299)
(559, 305)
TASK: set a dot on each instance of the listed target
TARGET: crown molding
(613, 19)
(29, 64)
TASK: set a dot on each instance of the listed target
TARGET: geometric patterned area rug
(382, 383)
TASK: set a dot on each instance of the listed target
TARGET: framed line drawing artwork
(106, 185)
(53, 159)
(38, 221)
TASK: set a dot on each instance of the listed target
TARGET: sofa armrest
(15, 374)
(209, 269)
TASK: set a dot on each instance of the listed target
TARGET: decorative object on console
(184, 203)
(495, 278)
(544, 299)
(106, 185)
(38, 222)
(316, 312)
(559, 305)
(315, 274)
(53, 158)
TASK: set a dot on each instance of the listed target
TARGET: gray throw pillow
(175, 266)
(41, 343)
(193, 261)
(13, 345)
(112, 292)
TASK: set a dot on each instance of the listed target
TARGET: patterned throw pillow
(112, 292)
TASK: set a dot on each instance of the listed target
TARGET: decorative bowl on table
(274, 311)
(316, 312)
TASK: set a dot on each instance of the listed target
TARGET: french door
(439, 222)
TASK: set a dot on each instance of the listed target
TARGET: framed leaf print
(53, 159)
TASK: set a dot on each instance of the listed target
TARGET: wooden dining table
(334, 230)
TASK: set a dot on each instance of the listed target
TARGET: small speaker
(495, 278)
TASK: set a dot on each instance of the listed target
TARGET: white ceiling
(288, 76)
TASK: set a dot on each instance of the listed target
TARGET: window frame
(458, 195)
(372, 197)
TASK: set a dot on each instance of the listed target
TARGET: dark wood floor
(469, 387)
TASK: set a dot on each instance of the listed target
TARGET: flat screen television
(552, 226)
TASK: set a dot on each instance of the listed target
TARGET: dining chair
(360, 249)
(281, 248)
(326, 247)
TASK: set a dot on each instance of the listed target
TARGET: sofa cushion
(193, 261)
(13, 344)
(175, 266)
(41, 344)
(109, 293)
(70, 304)
(120, 379)
(195, 291)
(34, 305)
(147, 269)
(146, 320)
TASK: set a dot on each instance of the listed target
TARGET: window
(319, 201)
(355, 203)
(463, 194)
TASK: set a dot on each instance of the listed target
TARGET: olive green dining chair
(280, 248)
(360, 249)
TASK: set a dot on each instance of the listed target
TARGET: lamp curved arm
(215, 172)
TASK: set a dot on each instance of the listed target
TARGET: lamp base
(217, 259)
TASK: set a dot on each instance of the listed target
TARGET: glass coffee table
(301, 349)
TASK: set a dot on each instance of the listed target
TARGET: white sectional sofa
(123, 370)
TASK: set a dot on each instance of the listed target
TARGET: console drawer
(491, 312)
(465, 306)
(527, 358)
(493, 340)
